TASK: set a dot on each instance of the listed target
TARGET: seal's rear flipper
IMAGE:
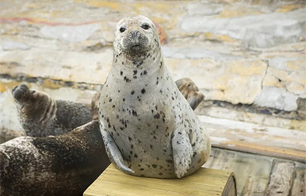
(113, 152)
(182, 152)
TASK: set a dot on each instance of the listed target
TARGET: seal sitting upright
(148, 127)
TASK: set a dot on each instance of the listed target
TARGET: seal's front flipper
(190, 91)
(182, 152)
(194, 99)
(113, 152)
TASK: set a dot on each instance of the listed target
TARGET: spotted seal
(41, 116)
(148, 127)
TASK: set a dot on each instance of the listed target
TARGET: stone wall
(246, 56)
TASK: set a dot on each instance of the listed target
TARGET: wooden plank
(252, 171)
(204, 182)
(299, 183)
(258, 176)
(211, 158)
(257, 139)
(262, 149)
(281, 178)
(221, 159)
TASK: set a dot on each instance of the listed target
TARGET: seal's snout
(20, 91)
(134, 34)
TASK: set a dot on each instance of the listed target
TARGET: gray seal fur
(41, 116)
(148, 127)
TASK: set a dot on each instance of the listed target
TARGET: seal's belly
(146, 153)
(142, 132)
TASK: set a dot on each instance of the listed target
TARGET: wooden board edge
(262, 151)
(231, 182)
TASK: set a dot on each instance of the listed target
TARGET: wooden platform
(259, 175)
(204, 182)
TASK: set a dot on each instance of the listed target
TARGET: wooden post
(204, 182)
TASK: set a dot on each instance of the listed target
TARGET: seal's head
(135, 37)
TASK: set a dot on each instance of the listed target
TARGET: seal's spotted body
(145, 121)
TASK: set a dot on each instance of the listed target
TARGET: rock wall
(246, 56)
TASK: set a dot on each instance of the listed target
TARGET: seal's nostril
(134, 34)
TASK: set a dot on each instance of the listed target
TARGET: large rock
(277, 98)
(262, 31)
(233, 81)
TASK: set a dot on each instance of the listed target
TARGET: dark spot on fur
(160, 174)
(121, 72)
(156, 116)
(194, 154)
(134, 113)
(169, 161)
(126, 79)
(143, 91)
(154, 165)
(132, 92)
(130, 139)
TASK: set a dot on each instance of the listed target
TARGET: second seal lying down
(148, 127)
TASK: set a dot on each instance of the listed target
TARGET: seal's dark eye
(122, 29)
(145, 26)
